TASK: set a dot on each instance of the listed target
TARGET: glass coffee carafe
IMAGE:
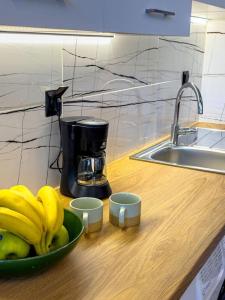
(92, 170)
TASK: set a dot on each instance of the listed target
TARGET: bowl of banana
(35, 231)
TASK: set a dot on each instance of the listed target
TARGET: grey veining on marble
(131, 82)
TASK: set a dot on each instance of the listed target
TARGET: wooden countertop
(183, 219)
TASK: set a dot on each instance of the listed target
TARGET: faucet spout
(175, 126)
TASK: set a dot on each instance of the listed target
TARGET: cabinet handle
(150, 11)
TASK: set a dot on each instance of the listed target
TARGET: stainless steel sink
(207, 153)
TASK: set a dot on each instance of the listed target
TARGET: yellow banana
(46, 197)
(19, 225)
(59, 223)
(54, 212)
(43, 243)
(29, 197)
(15, 201)
(40, 248)
(60, 212)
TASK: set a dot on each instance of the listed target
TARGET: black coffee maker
(83, 147)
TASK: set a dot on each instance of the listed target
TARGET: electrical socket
(53, 102)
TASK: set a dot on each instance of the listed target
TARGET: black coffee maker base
(96, 191)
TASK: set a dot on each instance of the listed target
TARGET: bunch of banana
(34, 219)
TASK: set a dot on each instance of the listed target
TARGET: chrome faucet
(176, 130)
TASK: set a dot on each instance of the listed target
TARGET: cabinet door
(219, 3)
(65, 14)
(169, 17)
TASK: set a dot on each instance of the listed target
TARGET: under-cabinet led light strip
(23, 37)
(199, 20)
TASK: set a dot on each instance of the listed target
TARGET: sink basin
(194, 156)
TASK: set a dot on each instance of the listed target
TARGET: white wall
(213, 82)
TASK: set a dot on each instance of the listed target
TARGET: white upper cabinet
(219, 3)
(59, 14)
(159, 17)
(156, 17)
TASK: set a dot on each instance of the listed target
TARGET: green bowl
(36, 264)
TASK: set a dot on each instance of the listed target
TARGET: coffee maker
(83, 147)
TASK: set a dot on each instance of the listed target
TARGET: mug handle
(85, 221)
(122, 217)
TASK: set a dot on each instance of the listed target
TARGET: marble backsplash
(131, 81)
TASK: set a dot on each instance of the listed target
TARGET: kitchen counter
(183, 219)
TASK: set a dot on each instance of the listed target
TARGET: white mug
(124, 209)
(90, 211)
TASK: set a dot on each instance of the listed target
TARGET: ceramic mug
(90, 211)
(124, 209)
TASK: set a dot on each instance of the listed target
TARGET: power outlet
(185, 77)
(53, 103)
(53, 106)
